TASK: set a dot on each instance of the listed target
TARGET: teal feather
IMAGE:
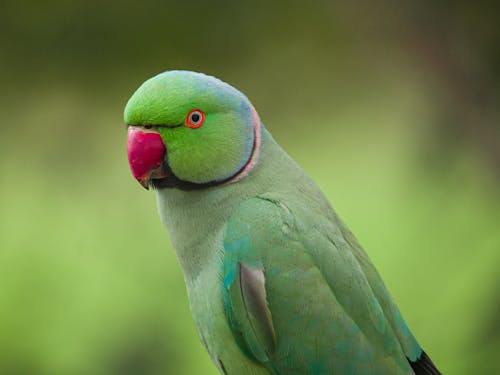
(277, 284)
(348, 327)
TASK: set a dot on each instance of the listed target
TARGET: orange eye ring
(195, 118)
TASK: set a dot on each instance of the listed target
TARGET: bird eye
(195, 118)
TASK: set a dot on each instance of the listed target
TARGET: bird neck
(196, 219)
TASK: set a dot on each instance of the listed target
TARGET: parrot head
(189, 130)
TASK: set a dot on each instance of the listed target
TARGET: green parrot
(277, 284)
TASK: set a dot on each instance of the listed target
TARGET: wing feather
(291, 277)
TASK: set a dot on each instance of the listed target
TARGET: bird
(276, 282)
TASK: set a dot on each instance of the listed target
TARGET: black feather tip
(424, 366)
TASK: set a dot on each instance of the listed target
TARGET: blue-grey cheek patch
(249, 136)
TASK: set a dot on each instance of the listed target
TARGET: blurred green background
(392, 107)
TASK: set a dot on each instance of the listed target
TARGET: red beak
(146, 153)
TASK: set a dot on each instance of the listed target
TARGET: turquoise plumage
(277, 283)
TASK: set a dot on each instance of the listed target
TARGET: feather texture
(276, 282)
(424, 366)
(314, 285)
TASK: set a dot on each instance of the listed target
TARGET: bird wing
(245, 298)
(298, 296)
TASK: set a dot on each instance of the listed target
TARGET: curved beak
(146, 154)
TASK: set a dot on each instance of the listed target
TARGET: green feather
(277, 284)
(334, 301)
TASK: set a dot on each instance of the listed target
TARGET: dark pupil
(195, 117)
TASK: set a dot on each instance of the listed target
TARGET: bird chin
(161, 183)
(159, 177)
(165, 178)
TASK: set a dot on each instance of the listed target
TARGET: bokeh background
(392, 107)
